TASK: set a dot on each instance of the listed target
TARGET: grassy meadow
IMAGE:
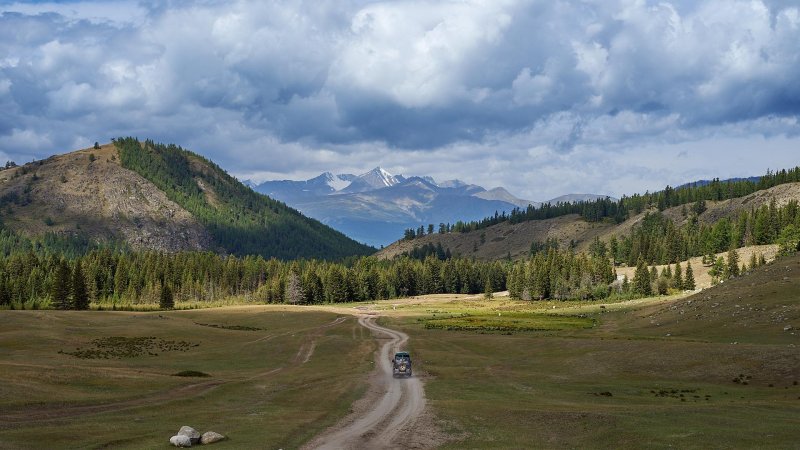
(98, 379)
(716, 369)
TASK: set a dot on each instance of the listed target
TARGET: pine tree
(488, 291)
(61, 286)
(80, 296)
(677, 278)
(166, 299)
(753, 261)
(688, 282)
(641, 280)
(732, 268)
(5, 295)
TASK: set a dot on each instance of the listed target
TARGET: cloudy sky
(543, 97)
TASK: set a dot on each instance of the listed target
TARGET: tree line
(124, 279)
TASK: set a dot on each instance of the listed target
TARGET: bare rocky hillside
(88, 192)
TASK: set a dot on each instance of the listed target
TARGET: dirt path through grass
(391, 406)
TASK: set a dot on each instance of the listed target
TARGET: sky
(542, 97)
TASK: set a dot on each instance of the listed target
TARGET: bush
(191, 373)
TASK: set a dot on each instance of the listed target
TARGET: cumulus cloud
(498, 92)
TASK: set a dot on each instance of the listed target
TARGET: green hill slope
(240, 220)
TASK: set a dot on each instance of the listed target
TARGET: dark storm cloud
(287, 87)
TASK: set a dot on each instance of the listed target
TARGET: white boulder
(180, 440)
(191, 433)
(209, 437)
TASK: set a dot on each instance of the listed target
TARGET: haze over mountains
(377, 206)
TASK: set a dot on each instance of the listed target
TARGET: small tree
(732, 268)
(677, 278)
(294, 289)
(97, 146)
(662, 285)
(488, 291)
(166, 299)
(688, 282)
(80, 296)
(5, 295)
(641, 279)
(60, 288)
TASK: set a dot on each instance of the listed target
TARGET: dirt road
(391, 409)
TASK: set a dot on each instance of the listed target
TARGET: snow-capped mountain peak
(379, 178)
(337, 182)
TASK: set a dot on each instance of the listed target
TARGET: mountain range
(376, 207)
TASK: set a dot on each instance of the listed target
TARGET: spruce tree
(677, 278)
(753, 261)
(80, 296)
(166, 299)
(641, 280)
(688, 282)
(5, 295)
(732, 269)
(488, 292)
(60, 289)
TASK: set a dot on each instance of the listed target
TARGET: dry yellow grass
(97, 198)
(701, 273)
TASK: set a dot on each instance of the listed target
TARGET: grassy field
(717, 369)
(712, 370)
(107, 379)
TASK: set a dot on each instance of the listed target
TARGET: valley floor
(719, 368)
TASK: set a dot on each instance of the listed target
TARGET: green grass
(510, 322)
(260, 395)
(548, 390)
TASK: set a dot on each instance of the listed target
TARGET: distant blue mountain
(376, 207)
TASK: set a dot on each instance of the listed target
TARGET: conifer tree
(677, 278)
(80, 296)
(166, 299)
(641, 280)
(688, 282)
(5, 296)
(488, 292)
(753, 261)
(732, 268)
(61, 286)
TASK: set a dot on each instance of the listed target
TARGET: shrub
(191, 373)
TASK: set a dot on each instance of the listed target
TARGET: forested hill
(240, 220)
(658, 233)
(146, 195)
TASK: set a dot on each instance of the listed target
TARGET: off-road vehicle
(401, 364)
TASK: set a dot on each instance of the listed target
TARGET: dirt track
(392, 405)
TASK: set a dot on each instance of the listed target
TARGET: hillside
(760, 306)
(514, 239)
(152, 196)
